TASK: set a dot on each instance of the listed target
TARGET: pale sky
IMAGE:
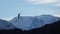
(11, 8)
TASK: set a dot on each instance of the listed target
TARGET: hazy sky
(10, 8)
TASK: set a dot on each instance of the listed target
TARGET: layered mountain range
(43, 24)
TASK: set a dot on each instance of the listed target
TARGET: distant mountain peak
(5, 25)
(28, 23)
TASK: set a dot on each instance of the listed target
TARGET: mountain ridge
(27, 22)
(5, 25)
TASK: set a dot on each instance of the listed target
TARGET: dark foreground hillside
(53, 28)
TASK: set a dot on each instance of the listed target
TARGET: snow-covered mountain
(31, 22)
(5, 25)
